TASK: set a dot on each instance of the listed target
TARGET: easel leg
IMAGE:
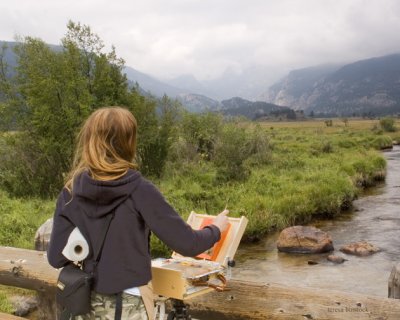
(159, 309)
(179, 311)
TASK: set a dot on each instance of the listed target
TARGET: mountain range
(357, 88)
(366, 86)
(370, 86)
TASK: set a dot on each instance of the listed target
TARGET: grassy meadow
(310, 170)
(301, 170)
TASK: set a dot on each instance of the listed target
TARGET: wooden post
(394, 283)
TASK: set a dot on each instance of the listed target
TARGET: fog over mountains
(247, 84)
(370, 86)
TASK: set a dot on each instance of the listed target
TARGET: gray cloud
(205, 37)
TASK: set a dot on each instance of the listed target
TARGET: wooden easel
(170, 283)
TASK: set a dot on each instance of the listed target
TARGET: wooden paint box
(177, 277)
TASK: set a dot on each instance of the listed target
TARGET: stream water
(374, 218)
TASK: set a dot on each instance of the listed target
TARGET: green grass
(5, 305)
(20, 218)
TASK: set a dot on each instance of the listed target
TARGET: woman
(104, 181)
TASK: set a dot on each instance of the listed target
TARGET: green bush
(387, 124)
(260, 148)
(201, 132)
(382, 142)
(232, 149)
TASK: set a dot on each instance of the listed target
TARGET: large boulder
(300, 239)
(42, 236)
(362, 248)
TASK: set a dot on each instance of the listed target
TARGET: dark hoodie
(139, 208)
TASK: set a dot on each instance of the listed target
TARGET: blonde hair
(106, 145)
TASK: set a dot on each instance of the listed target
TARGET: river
(375, 217)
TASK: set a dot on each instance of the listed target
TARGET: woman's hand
(221, 221)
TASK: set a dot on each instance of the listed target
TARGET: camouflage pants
(103, 308)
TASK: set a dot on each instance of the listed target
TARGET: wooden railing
(246, 300)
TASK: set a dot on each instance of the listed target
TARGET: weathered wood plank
(4, 316)
(27, 269)
(246, 300)
(251, 300)
(394, 283)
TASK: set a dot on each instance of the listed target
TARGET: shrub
(327, 147)
(232, 149)
(201, 131)
(382, 142)
(387, 124)
(322, 147)
(259, 146)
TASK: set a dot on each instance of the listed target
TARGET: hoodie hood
(98, 198)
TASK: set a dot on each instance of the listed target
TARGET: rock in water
(362, 248)
(42, 236)
(336, 259)
(300, 239)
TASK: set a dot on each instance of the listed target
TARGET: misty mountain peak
(365, 86)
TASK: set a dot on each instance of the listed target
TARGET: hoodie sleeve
(62, 228)
(168, 226)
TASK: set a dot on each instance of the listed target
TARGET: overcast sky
(166, 38)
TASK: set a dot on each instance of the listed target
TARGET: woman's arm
(168, 226)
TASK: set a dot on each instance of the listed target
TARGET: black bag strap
(118, 306)
(103, 235)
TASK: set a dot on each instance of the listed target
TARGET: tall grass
(20, 218)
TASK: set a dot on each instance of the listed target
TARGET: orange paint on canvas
(212, 254)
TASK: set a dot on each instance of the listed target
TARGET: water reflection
(375, 218)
